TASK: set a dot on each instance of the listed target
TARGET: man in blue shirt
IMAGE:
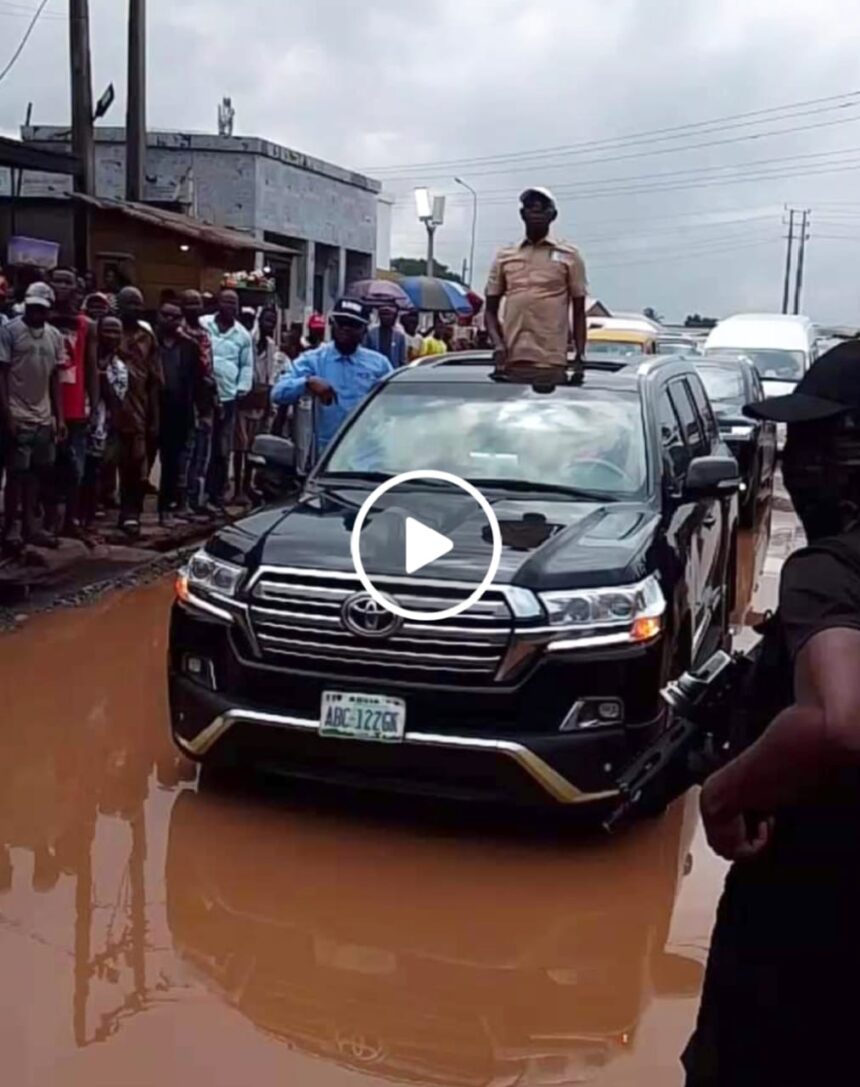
(338, 375)
(233, 363)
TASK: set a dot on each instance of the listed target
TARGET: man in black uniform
(780, 999)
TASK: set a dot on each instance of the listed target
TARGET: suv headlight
(635, 609)
(214, 575)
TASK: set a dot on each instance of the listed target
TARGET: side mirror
(712, 477)
(270, 451)
(275, 461)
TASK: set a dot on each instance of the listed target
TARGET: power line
(676, 234)
(570, 188)
(687, 254)
(24, 40)
(651, 135)
(640, 154)
(18, 11)
(777, 175)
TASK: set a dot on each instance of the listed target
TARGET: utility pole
(135, 123)
(804, 238)
(83, 139)
(788, 255)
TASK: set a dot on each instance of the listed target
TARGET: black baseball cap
(830, 387)
(349, 310)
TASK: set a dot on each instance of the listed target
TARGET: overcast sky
(415, 85)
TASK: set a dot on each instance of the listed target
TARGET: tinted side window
(691, 428)
(706, 412)
(675, 453)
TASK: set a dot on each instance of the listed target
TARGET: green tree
(414, 266)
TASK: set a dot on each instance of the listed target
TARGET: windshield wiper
(524, 485)
(328, 479)
(353, 477)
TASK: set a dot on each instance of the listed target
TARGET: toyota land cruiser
(616, 501)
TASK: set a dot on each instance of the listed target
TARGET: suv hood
(546, 543)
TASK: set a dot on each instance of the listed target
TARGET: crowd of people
(95, 392)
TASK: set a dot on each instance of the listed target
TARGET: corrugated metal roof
(185, 225)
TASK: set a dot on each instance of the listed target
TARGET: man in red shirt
(79, 388)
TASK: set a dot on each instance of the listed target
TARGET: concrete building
(326, 213)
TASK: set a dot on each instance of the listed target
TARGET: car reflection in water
(440, 958)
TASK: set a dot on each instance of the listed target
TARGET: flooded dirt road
(154, 932)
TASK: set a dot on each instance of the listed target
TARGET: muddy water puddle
(157, 932)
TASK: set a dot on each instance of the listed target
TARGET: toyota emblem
(362, 616)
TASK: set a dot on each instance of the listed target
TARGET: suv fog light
(593, 713)
(200, 669)
(645, 628)
(611, 710)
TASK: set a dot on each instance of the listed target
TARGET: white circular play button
(423, 545)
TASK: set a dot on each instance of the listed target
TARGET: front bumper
(502, 744)
(424, 762)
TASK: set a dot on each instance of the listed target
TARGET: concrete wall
(251, 185)
(246, 183)
(306, 205)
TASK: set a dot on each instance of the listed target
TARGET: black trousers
(223, 441)
(780, 1000)
(173, 441)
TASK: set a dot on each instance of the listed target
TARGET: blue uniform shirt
(351, 376)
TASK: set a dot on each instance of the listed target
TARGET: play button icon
(409, 544)
(424, 545)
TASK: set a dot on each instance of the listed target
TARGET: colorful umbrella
(437, 295)
(380, 292)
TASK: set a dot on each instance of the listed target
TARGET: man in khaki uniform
(542, 282)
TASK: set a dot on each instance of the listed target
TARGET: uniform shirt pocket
(517, 273)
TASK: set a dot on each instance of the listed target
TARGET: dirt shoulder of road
(76, 573)
(77, 579)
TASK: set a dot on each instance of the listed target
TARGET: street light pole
(465, 185)
(431, 212)
(431, 239)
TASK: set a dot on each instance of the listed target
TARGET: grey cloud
(401, 81)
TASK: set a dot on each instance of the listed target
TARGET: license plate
(363, 716)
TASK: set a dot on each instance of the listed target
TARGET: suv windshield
(774, 365)
(588, 439)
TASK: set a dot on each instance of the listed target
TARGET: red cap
(316, 323)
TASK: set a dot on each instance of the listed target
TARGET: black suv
(616, 501)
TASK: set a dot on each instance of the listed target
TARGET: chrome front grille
(296, 617)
